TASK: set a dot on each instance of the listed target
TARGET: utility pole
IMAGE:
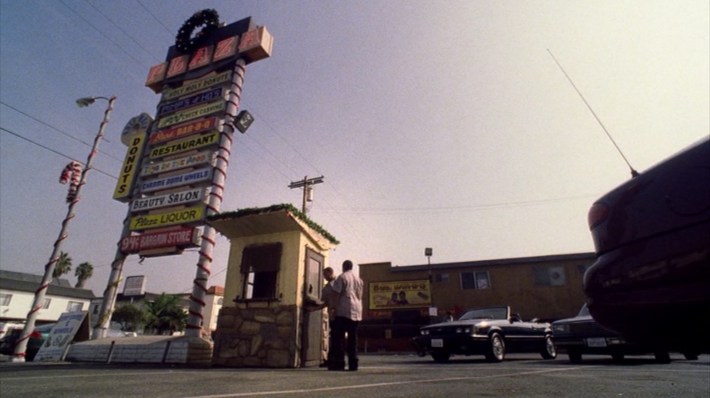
(306, 184)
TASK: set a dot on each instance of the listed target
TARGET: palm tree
(130, 316)
(165, 314)
(63, 265)
(83, 272)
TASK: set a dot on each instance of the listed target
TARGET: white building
(17, 293)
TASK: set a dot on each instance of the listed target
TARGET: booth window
(260, 267)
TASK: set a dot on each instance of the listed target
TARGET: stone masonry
(263, 334)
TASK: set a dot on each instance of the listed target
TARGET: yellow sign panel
(399, 294)
(186, 144)
(189, 215)
(122, 193)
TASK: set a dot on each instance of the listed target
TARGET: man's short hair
(327, 270)
(347, 265)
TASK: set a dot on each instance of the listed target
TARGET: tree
(165, 314)
(83, 272)
(63, 265)
(130, 316)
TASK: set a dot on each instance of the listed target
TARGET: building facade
(17, 293)
(398, 300)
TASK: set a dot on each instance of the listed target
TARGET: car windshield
(486, 313)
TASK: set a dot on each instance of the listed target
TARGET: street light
(21, 347)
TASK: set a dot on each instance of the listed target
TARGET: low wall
(143, 349)
(258, 335)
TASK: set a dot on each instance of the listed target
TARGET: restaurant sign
(184, 145)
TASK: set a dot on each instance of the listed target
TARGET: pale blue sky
(442, 124)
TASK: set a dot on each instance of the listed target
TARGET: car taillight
(597, 213)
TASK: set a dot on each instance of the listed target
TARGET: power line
(54, 151)
(57, 130)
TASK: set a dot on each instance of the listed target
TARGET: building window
(550, 276)
(475, 280)
(5, 299)
(74, 306)
(260, 267)
(46, 303)
(442, 277)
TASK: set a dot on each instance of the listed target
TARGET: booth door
(312, 344)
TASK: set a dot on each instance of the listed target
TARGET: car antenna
(634, 173)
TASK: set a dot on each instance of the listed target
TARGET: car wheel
(441, 356)
(549, 351)
(662, 357)
(496, 348)
(574, 355)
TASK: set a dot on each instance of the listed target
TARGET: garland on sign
(72, 175)
(185, 42)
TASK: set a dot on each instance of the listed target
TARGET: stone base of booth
(257, 335)
(143, 349)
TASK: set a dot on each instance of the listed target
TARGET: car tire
(496, 348)
(549, 351)
(441, 356)
(662, 356)
(574, 355)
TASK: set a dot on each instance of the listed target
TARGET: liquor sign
(182, 238)
(196, 159)
(189, 215)
(192, 177)
(171, 199)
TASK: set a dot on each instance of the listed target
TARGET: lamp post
(21, 347)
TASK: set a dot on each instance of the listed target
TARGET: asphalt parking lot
(379, 376)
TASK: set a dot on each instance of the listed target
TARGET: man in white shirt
(348, 314)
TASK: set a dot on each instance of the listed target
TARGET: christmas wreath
(185, 42)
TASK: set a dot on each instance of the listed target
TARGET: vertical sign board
(134, 136)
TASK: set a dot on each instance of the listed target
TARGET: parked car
(491, 332)
(583, 335)
(37, 337)
(651, 279)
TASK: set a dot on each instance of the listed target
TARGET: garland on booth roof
(185, 42)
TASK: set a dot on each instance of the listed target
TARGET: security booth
(270, 317)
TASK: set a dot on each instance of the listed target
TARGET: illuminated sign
(197, 99)
(197, 85)
(187, 144)
(182, 130)
(196, 159)
(172, 199)
(399, 294)
(183, 237)
(188, 215)
(122, 193)
(192, 177)
(193, 113)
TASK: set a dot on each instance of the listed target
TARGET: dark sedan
(651, 279)
(37, 337)
(486, 331)
(583, 335)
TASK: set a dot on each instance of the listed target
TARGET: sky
(441, 124)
